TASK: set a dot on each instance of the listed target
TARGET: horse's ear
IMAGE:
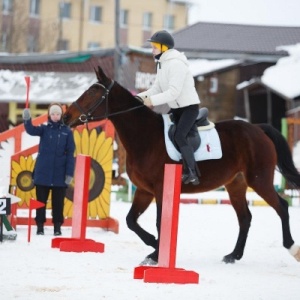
(96, 72)
(101, 75)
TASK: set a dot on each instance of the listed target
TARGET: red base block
(165, 275)
(77, 245)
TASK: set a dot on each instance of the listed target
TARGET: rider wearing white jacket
(174, 85)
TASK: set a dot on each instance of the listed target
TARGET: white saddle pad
(210, 147)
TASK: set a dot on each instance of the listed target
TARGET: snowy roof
(47, 87)
(284, 77)
(200, 67)
(44, 87)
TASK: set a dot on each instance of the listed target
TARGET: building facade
(78, 25)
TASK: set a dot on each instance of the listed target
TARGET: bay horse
(250, 155)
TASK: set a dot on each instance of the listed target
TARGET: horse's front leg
(141, 202)
(237, 193)
(152, 258)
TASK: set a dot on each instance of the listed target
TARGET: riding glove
(26, 114)
(68, 179)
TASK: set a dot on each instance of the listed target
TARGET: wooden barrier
(166, 271)
(78, 242)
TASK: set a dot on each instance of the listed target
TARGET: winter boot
(189, 172)
(57, 230)
(40, 229)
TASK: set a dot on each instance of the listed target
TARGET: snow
(284, 76)
(200, 67)
(61, 87)
(255, 12)
(206, 233)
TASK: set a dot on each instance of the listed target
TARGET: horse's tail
(285, 161)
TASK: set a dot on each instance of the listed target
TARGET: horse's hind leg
(141, 202)
(268, 193)
(237, 194)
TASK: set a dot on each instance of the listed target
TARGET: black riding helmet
(162, 37)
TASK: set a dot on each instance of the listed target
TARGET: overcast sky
(255, 12)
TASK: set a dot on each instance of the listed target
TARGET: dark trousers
(58, 195)
(184, 118)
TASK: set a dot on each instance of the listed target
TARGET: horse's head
(93, 99)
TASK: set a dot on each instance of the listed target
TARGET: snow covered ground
(206, 233)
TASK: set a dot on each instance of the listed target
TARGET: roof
(61, 56)
(282, 78)
(238, 41)
(45, 87)
(205, 67)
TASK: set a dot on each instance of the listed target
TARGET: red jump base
(77, 245)
(165, 275)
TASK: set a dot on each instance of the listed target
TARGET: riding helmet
(162, 37)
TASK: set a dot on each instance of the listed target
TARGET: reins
(85, 117)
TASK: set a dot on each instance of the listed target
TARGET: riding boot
(189, 172)
(40, 229)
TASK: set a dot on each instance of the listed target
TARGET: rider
(174, 85)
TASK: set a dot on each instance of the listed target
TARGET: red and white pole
(27, 79)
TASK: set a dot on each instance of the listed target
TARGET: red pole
(166, 271)
(27, 79)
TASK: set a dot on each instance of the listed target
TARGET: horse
(250, 155)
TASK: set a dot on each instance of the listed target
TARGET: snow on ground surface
(206, 233)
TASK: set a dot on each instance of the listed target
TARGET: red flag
(27, 79)
(34, 204)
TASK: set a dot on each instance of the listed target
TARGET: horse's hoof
(148, 261)
(228, 259)
(295, 251)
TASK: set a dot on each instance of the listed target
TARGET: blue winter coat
(55, 158)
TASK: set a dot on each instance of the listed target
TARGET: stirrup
(190, 178)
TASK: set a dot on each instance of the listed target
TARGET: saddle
(193, 136)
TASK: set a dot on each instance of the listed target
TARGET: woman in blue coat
(54, 168)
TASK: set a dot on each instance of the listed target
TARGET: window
(93, 45)
(65, 10)
(7, 6)
(63, 45)
(34, 7)
(147, 20)
(123, 18)
(213, 89)
(31, 44)
(169, 22)
(96, 13)
(4, 42)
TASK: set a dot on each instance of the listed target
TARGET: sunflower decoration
(95, 144)
(21, 177)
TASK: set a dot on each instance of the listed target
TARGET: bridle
(85, 117)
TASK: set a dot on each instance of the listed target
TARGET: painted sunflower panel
(93, 143)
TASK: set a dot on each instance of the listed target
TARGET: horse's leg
(268, 193)
(237, 194)
(141, 202)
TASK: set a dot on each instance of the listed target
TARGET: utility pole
(81, 24)
(117, 52)
(60, 26)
